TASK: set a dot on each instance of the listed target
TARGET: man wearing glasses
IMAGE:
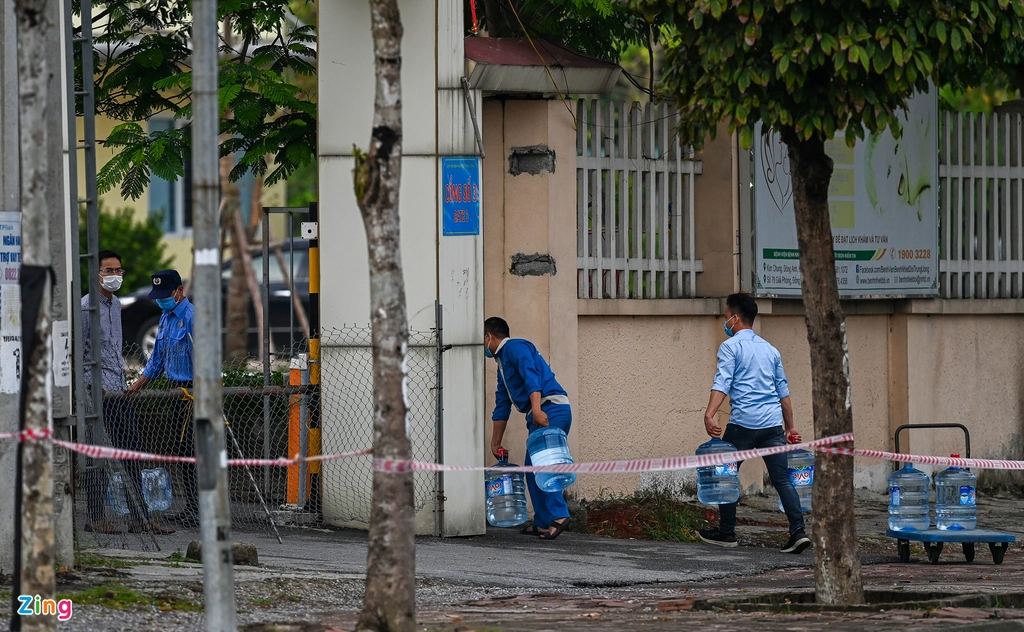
(119, 418)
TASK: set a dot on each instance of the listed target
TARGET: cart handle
(967, 434)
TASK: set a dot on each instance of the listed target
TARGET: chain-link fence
(128, 504)
(347, 419)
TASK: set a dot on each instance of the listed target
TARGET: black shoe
(717, 538)
(798, 542)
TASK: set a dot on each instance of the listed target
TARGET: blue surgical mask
(727, 328)
(487, 352)
(166, 304)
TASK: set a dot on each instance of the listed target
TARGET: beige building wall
(968, 369)
(640, 370)
(531, 214)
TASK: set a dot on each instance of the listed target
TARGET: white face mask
(111, 283)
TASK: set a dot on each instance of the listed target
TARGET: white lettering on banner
(61, 354)
(10, 339)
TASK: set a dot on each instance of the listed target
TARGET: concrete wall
(527, 214)
(967, 369)
(436, 268)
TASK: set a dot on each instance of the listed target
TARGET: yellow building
(171, 199)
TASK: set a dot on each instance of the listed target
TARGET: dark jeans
(122, 428)
(184, 432)
(778, 471)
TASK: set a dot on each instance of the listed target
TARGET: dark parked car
(140, 316)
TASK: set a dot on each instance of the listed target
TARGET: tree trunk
(236, 338)
(837, 574)
(390, 599)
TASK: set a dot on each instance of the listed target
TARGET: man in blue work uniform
(172, 357)
(526, 380)
(750, 373)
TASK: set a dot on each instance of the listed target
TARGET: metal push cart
(934, 539)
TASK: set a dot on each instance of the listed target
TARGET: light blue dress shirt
(750, 373)
(172, 355)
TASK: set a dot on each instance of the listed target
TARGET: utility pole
(9, 203)
(211, 452)
(37, 31)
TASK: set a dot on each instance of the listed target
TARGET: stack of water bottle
(720, 484)
(506, 491)
(955, 499)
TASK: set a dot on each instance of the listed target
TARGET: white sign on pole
(61, 354)
(10, 302)
(883, 205)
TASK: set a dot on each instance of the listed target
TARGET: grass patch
(266, 602)
(122, 598)
(646, 517)
(176, 557)
(87, 559)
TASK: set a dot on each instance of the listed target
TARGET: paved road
(504, 558)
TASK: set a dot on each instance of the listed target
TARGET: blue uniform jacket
(521, 370)
(172, 355)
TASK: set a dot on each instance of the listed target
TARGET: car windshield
(301, 266)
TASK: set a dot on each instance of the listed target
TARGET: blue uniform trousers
(548, 506)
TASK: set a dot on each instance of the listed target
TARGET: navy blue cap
(164, 284)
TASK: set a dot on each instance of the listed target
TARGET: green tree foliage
(142, 57)
(810, 68)
(140, 245)
(600, 28)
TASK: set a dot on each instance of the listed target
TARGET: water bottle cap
(502, 453)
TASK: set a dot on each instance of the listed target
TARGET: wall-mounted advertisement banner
(461, 195)
(883, 204)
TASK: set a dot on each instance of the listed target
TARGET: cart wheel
(998, 551)
(934, 550)
(903, 548)
(969, 551)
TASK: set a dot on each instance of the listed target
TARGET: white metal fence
(981, 214)
(635, 189)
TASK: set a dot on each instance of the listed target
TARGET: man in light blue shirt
(750, 374)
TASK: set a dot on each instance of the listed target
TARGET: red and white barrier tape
(25, 435)
(602, 467)
(106, 452)
(617, 467)
(979, 464)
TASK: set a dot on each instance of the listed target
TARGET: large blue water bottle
(801, 473)
(548, 446)
(908, 500)
(117, 499)
(156, 489)
(718, 484)
(955, 508)
(506, 494)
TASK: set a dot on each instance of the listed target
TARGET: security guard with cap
(172, 357)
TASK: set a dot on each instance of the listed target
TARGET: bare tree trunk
(390, 600)
(236, 338)
(837, 574)
(36, 32)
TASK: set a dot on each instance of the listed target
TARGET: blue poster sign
(460, 192)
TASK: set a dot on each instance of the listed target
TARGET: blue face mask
(166, 304)
(487, 350)
(727, 328)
